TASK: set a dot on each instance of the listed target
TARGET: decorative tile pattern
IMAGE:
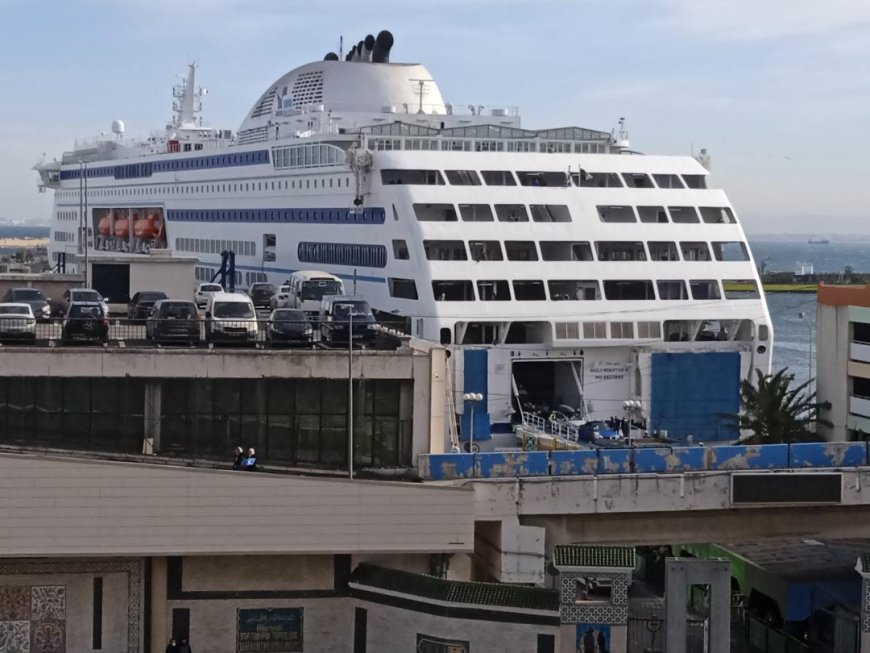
(593, 613)
(49, 603)
(613, 612)
(132, 567)
(865, 605)
(15, 636)
(47, 636)
(14, 604)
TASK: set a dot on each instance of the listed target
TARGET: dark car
(289, 326)
(173, 320)
(71, 295)
(141, 304)
(85, 321)
(261, 294)
(339, 312)
(38, 302)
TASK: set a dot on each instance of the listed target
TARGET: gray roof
(452, 591)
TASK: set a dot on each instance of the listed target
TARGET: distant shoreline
(23, 243)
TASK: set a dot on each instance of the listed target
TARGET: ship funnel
(368, 46)
(350, 54)
(383, 44)
(330, 56)
(359, 52)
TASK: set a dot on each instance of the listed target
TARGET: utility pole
(350, 392)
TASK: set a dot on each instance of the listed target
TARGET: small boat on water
(818, 241)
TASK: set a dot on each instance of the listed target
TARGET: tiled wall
(642, 460)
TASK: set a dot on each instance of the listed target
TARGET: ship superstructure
(561, 266)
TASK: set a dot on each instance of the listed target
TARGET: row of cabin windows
(674, 214)
(557, 250)
(333, 181)
(561, 213)
(485, 145)
(146, 169)
(64, 236)
(371, 256)
(67, 216)
(560, 178)
(209, 246)
(743, 330)
(499, 290)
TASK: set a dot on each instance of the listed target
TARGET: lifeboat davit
(105, 227)
(146, 228)
(122, 228)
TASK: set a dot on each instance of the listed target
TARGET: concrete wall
(832, 358)
(74, 507)
(395, 629)
(51, 285)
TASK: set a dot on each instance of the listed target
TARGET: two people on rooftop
(245, 461)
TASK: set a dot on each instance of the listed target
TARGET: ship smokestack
(383, 44)
(368, 47)
(330, 56)
(350, 54)
(359, 52)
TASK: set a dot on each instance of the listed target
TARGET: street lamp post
(350, 393)
(471, 398)
(806, 319)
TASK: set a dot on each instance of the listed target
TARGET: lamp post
(471, 398)
(350, 392)
(810, 329)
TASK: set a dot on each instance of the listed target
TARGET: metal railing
(125, 332)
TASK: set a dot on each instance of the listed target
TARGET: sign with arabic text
(269, 630)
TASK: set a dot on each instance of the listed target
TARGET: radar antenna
(421, 92)
(188, 100)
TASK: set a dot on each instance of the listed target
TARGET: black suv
(261, 294)
(142, 302)
(175, 320)
(85, 321)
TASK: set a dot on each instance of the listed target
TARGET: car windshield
(233, 309)
(86, 296)
(182, 311)
(150, 296)
(320, 288)
(210, 287)
(284, 289)
(14, 310)
(263, 287)
(85, 311)
(28, 294)
(354, 307)
(289, 315)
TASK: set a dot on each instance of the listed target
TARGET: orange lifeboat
(122, 228)
(105, 227)
(146, 228)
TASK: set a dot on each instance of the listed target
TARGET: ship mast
(188, 101)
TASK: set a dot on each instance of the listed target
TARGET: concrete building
(843, 360)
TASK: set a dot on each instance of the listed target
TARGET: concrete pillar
(159, 611)
(151, 426)
(680, 573)
(509, 552)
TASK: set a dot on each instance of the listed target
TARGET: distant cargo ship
(818, 241)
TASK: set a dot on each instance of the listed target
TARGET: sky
(777, 91)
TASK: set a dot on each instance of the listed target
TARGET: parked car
(261, 294)
(204, 291)
(37, 301)
(142, 302)
(597, 430)
(281, 299)
(339, 312)
(289, 326)
(173, 320)
(231, 317)
(71, 295)
(17, 322)
(86, 321)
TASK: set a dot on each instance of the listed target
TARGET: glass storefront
(288, 421)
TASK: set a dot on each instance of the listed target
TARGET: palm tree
(776, 413)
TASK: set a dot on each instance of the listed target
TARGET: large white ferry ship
(559, 265)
